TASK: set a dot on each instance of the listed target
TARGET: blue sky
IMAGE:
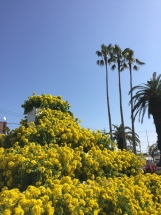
(49, 47)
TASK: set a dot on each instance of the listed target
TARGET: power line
(144, 131)
(13, 123)
(94, 129)
(149, 142)
(10, 113)
(148, 136)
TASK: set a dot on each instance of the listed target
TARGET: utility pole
(104, 131)
(147, 137)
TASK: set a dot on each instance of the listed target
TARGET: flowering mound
(54, 166)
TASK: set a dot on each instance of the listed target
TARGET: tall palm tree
(104, 54)
(117, 58)
(132, 64)
(117, 135)
(148, 96)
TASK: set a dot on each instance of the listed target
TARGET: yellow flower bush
(120, 195)
(46, 101)
(34, 164)
(54, 166)
(54, 126)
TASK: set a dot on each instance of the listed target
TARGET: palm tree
(117, 58)
(153, 150)
(148, 96)
(129, 56)
(117, 135)
(104, 54)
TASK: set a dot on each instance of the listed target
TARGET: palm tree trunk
(121, 111)
(108, 103)
(120, 144)
(157, 122)
(132, 117)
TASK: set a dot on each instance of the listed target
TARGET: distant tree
(104, 54)
(117, 58)
(117, 136)
(132, 64)
(153, 149)
(148, 96)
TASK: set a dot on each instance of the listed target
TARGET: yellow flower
(7, 212)
(37, 210)
(19, 211)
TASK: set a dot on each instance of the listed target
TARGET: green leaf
(139, 62)
(98, 62)
(99, 54)
(125, 65)
(113, 67)
(136, 68)
(102, 62)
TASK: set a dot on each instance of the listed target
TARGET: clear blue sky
(49, 47)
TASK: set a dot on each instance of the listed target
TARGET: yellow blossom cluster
(53, 166)
(34, 164)
(120, 195)
(55, 126)
(45, 101)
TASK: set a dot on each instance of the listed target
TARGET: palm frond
(113, 67)
(135, 67)
(103, 46)
(113, 59)
(154, 76)
(127, 50)
(139, 62)
(127, 127)
(105, 53)
(140, 86)
(115, 126)
(122, 69)
(117, 49)
(109, 61)
(118, 130)
(100, 62)
(140, 106)
(109, 47)
(125, 65)
(128, 54)
(99, 54)
(144, 108)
